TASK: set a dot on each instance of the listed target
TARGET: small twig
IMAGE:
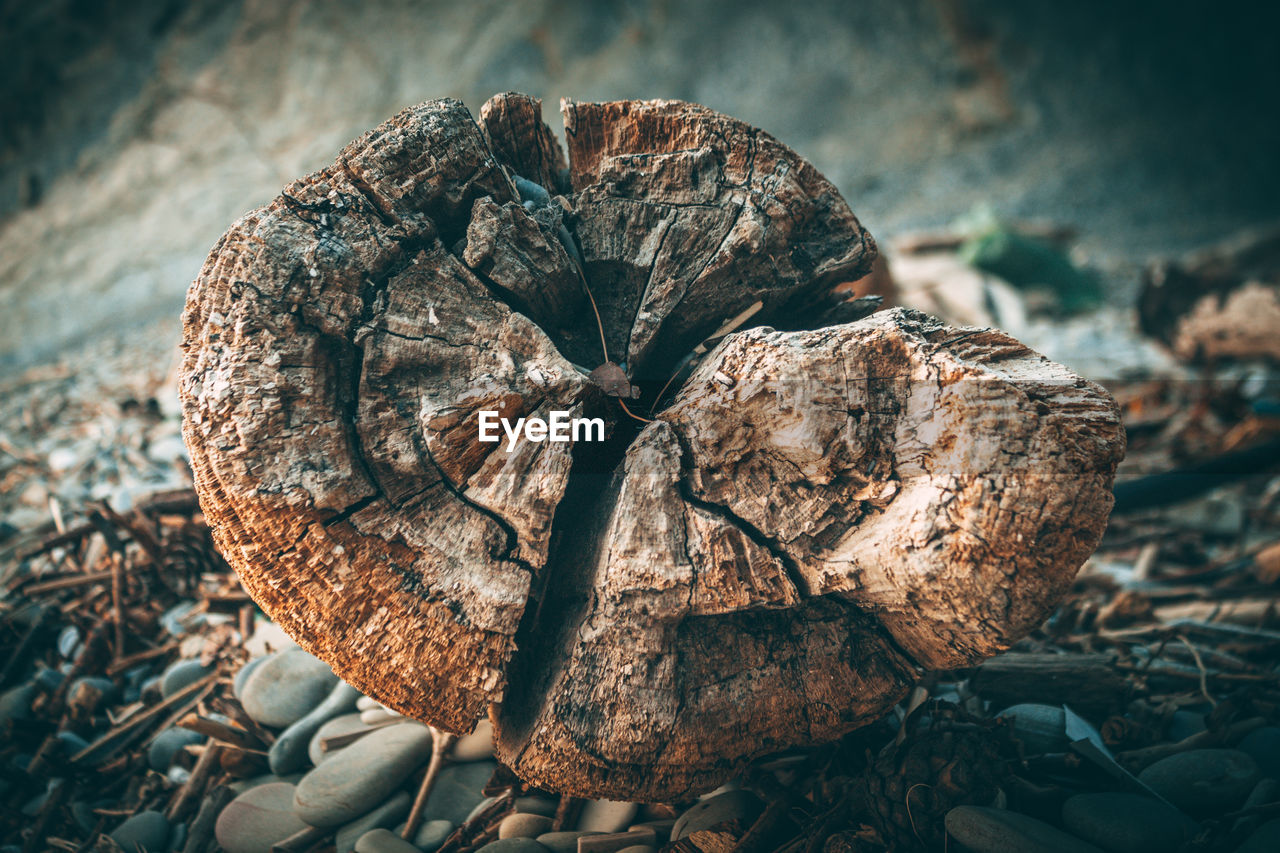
(121, 664)
(200, 834)
(204, 769)
(121, 735)
(441, 742)
(564, 811)
(629, 412)
(1204, 673)
(501, 806)
(117, 603)
(221, 732)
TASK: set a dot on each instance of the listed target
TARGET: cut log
(806, 520)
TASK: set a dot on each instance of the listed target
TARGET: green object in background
(1029, 261)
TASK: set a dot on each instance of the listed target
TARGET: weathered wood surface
(812, 517)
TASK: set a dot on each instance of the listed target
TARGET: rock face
(857, 500)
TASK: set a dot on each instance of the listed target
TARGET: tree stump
(762, 553)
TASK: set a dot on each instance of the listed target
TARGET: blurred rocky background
(133, 133)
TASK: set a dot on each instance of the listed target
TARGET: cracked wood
(813, 518)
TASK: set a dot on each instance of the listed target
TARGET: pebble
(378, 716)
(1126, 823)
(242, 785)
(257, 819)
(430, 835)
(1203, 780)
(268, 637)
(385, 815)
(367, 703)
(529, 191)
(147, 830)
(364, 774)
(1183, 724)
(290, 750)
(476, 746)
(181, 618)
(1041, 728)
(167, 745)
(237, 683)
(49, 679)
(524, 826)
(15, 703)
(182, 674)
(562, 842)
(514, 845)
(1263, 746)
(536, 805)
(607, 816)
(985, 830)
(661, 827)
(383, 841)
(72, 742)
(285, 687)
(739, 805)
(457, 789)
(68, 641)
(343, 725)
(1265, 839)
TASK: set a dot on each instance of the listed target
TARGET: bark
(811, 517)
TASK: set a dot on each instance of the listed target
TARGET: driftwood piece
(811, 519)
(1219, 303)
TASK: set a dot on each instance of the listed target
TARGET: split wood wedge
(763, 552)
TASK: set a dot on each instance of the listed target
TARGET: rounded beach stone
(385, 815)
(607, 815)
(562, 842)
(1203, 780)
(147, 831)
(383, 841)
(985, 830)
(257, 819)
(242, 675)
(457, 789)
(167, 745)
(338, 726)
(544, 806)
(1126, 823)
(1040, 728)
(285, 687)
(430, 835)
(378, 716)
(524, 826)
(361, 776)
(290, 750)
(739, 805)
(514, 845)
(1263, 746)
(476, 746)
(182, 673)
(1265, 839)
